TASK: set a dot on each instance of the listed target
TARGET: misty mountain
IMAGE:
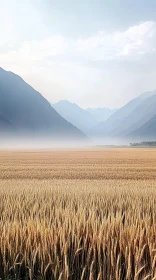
(142, 114)
(146, 131)
(26, 111)
(5, 125)
(75, 115)
(127, 117)
(101, 114)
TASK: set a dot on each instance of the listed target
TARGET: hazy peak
(147, 94)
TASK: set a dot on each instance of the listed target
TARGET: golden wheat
(78, 215)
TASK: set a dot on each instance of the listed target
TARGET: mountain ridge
(115, 123)
(84, 119)
(146, 131)
(29, 111)
(101, 113)
(75, 114)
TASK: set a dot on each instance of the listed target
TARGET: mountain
(146, 131)
(126, 117)
(75, 115)
(26, 112)
(5, 125)
(101, 114)
(142, 114)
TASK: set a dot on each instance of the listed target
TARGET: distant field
(88, 214)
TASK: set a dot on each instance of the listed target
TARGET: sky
(96, 53)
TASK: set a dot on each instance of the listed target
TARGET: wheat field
(78, 214)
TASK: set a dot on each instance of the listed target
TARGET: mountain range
(75, 115)
(135, 120)
(25, 112)
(84, 119)
(131, 117)
(101, 114)
(145, 132)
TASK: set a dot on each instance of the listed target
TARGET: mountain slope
(116, 123)
(5, 125)
(74, 114)
(142, 114)
(145, 132)
(101, 114)
(28, 111)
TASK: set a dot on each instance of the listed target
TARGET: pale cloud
(139, 39)
(62, 67)
(33, 51)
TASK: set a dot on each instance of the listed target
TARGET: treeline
(144, 143)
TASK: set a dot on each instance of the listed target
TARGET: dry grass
(78, 215)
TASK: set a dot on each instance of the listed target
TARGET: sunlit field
(85, 215)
